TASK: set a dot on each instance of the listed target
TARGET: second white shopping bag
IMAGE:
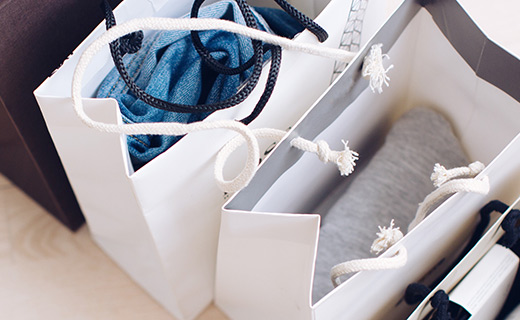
(270, 231)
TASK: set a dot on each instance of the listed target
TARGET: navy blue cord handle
(417, 292)
(509, 225)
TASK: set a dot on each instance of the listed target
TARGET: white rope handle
(372, 67)
(447, 184)
(179, 128)
(394, 262)
(476, 185)
(345, 159)
(386, 237)
(178, 24)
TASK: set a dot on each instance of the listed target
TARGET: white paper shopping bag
(269, 234)
(161, 223)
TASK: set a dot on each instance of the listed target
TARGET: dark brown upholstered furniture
(35, 38)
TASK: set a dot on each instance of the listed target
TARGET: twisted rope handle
(394, 262)
(179, 128)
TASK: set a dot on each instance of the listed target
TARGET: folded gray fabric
(391, 186)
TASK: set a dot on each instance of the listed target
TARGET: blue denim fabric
(168, 67)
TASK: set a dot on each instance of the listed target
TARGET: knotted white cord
(440, 174)
(156, 23)
(394, 262)
(345, 159)
(374, 70)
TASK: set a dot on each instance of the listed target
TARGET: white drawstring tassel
(387, 237)
(441, 175)
(374, 70)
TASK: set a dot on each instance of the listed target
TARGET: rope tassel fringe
(374, 70)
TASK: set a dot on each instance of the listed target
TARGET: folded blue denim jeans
(168, 67)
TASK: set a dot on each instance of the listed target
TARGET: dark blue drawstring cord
(509, 225)
(511, 228)
(256, 60)
(485, 217)
(494, 205)
(440, 303)
(416, 292)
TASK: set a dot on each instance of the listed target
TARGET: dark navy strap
(305, 21)
(417, 292)
(485, 217)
